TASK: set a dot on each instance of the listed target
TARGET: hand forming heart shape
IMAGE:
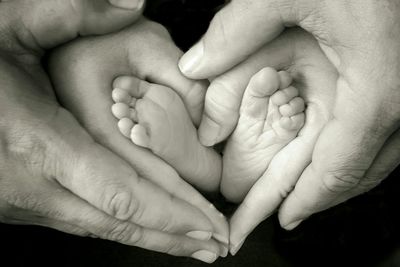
(85, 71)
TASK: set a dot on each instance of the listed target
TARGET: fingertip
(190, 62)
(208, 131)
(205, 256)
(234, 248)
(199, 235)
(221, 238)
(292, 212)
(239, 230)
(291, 225)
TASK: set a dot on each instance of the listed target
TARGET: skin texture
(83, 73)
(52, 172)
(154, 117)
(358, 146)
(271, 115)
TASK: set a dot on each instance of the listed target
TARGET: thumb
(236, 31)
(44, 24)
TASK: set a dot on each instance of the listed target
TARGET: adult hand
(359, 146)
(298, 53)
(83, 72)
(52, 172)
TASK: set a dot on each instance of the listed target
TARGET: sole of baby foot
(271, 115)
(154, 117)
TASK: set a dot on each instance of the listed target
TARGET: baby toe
(120, 110)
(121, 96)
(139, 136)
(256, 97)
(135, 87)
(292, 123)
(264, 83)
(284, 96)
(295, 106)
(125, 126)
(125, 82)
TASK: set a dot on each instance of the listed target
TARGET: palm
(316, 79)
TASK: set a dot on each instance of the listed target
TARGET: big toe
(256, 97)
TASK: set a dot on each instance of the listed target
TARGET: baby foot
(271, 115)
(155, 117)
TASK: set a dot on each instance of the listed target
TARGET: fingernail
(220, 238)
(204, 255)
(191, 60)
(127, 4)
(208, 131)
(235, 248)
(200, 235)
(292, 225)
(224, 252)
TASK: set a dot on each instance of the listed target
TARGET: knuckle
(123, 206)
(126, 233)
(343, 180)
(164, 225)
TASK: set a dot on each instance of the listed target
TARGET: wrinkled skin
(52, 172)
(358, 147)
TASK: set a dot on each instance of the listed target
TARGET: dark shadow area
(361, 232)
(186, 20)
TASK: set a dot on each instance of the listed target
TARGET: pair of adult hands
(348, 145)
(54, 173)
(351, 140)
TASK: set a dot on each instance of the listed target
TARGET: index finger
(69, 213)
(235, 32)
(271, 189)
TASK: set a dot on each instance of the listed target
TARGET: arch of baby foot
(154, 117)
